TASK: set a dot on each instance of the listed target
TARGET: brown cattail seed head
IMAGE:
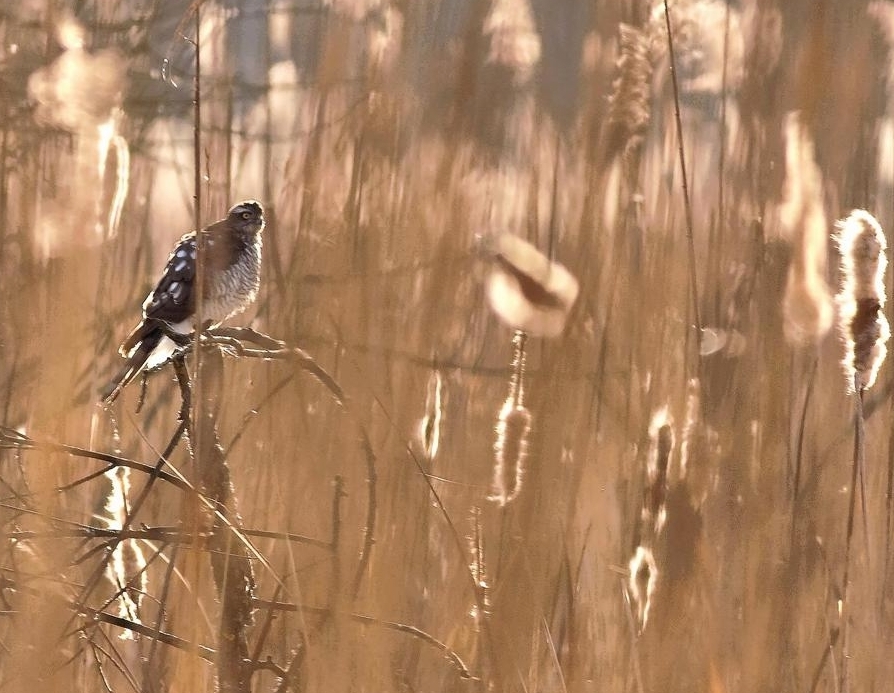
(661, 436)
(642, 581)
(861, 300)
(510, 451)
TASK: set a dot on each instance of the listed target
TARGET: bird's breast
(232, 290)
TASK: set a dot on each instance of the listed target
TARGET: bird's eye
(246, 215)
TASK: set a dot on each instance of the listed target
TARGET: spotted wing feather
(173, 299)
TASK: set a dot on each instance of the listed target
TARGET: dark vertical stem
(369, 527)
(721, 164)
(845, 583)
(197, 123)
(230, 556)
(150, 668)
(889, 510)
(799, 445)
(197, 223)
(228, 149)
(355, 195)
(554, 200)
(338, 494)
(690, 240)
(517, 384)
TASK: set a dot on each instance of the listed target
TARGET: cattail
(510, 451)
(514, 42)
(110, 140)
(642, 581)
(430, 424)
(709, 58)
(643, 575)
(629, 102)
(661, 435)
(126, 569)
(513, 428)
(478, 567)
(807, 306)
(861, 300)
(527, 290)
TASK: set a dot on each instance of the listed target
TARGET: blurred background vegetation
(383, 139)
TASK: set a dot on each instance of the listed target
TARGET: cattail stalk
(864, 331)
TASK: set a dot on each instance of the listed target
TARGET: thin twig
(206, 653)
(634, 640)
(856, 472)
(291, 670)
(23, 442)
(687, 203)
(451, 655)
(799, 446)
(371, 510)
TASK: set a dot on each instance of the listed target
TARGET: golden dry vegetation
(389, 143)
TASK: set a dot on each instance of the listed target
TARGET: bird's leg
(230, 345)
(185, 389)
(142, 398)
(249, 335)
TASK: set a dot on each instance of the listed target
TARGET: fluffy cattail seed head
(861, 300)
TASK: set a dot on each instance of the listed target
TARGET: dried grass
(380, 166)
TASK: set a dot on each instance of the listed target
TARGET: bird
(231, 271)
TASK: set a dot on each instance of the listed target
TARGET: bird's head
(247, 217)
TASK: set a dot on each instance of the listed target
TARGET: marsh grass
(382, 139)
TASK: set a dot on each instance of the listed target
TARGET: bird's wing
(173, 300)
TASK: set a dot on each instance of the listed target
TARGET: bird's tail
(136, 361)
